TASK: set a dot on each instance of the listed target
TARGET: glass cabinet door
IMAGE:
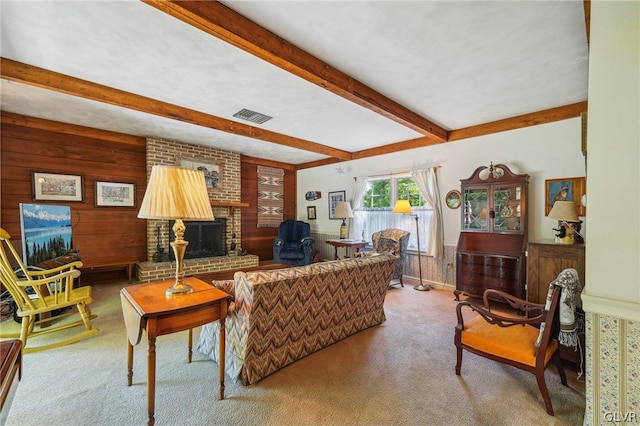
(475, 207)
(507, 208)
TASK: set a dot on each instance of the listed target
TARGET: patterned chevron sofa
(279, 316)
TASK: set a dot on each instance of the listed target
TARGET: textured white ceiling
(457, 64)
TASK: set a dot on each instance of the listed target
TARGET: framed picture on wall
(46, 232)
(311, 212)
(212, 172)
(114, 194)
(56, 187)
(565, 189)
(334, 198)
(452, 199)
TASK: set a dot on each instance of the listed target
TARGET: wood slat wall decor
(107, 235)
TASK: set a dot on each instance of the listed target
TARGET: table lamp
(565, 212)
(403, 207)
(176, 193)
(343, 210)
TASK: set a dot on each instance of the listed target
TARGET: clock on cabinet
(492, 243)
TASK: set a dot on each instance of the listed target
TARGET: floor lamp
(403, 207)
(176, 193)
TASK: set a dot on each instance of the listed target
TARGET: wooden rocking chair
(42, 292)
(512, 340)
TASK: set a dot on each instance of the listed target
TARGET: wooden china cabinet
(493, 239)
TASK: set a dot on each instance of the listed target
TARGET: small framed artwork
(566, 189)
(453, 199)
(57, 187)
(311, 212)
(115, 194)
(334, 198)
(212, 172)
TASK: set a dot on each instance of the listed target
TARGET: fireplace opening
(206, 239)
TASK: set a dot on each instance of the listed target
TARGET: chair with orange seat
(513, 339)
(40, 292)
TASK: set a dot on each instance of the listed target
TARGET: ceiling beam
(395, 147)
(525, 120)
(318, 163)
(222, 22)
(70, 129)
(587, 19)
(39, 77)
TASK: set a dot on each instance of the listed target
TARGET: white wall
(611, 298)
(613, 204)
(548, 151)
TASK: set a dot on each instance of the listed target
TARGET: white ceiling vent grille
(254, 117)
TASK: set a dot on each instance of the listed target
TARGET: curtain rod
(395, 173)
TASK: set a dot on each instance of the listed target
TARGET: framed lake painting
(46, 232)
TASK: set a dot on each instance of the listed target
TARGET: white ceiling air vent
(254, 117)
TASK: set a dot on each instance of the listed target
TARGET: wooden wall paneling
(106, 234)
(102, 234)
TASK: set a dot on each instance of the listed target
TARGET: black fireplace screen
(206, 239)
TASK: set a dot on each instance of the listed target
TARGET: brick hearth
(151, 271)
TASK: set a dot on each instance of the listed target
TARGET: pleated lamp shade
(564, 210)
(343, 210)
(176, 193)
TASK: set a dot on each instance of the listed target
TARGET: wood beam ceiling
(526, 120)
(39, 77)
(219, 21)
(34, 76)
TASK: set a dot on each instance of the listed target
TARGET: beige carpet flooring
(398, 373)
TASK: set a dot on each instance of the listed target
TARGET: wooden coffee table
(146, 307)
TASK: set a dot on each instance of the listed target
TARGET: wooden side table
(145, 307)
(10, 374)
(352, 244)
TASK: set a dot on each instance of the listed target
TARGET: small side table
(352, 244)
(10, 374)
(145, 307)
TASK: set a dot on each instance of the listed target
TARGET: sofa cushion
(387, 245)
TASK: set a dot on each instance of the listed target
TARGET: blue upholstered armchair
(293, 245)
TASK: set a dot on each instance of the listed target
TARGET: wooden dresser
(545, 260)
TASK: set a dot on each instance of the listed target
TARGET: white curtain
(427, 183)
(357, 202)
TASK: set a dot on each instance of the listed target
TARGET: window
(377, 211)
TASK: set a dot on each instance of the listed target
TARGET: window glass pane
(408, 190)
(378, 194)
(376, 213)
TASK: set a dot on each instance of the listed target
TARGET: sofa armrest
(278, 245)
(229, 287)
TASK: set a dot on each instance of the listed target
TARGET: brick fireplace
(165, 152)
